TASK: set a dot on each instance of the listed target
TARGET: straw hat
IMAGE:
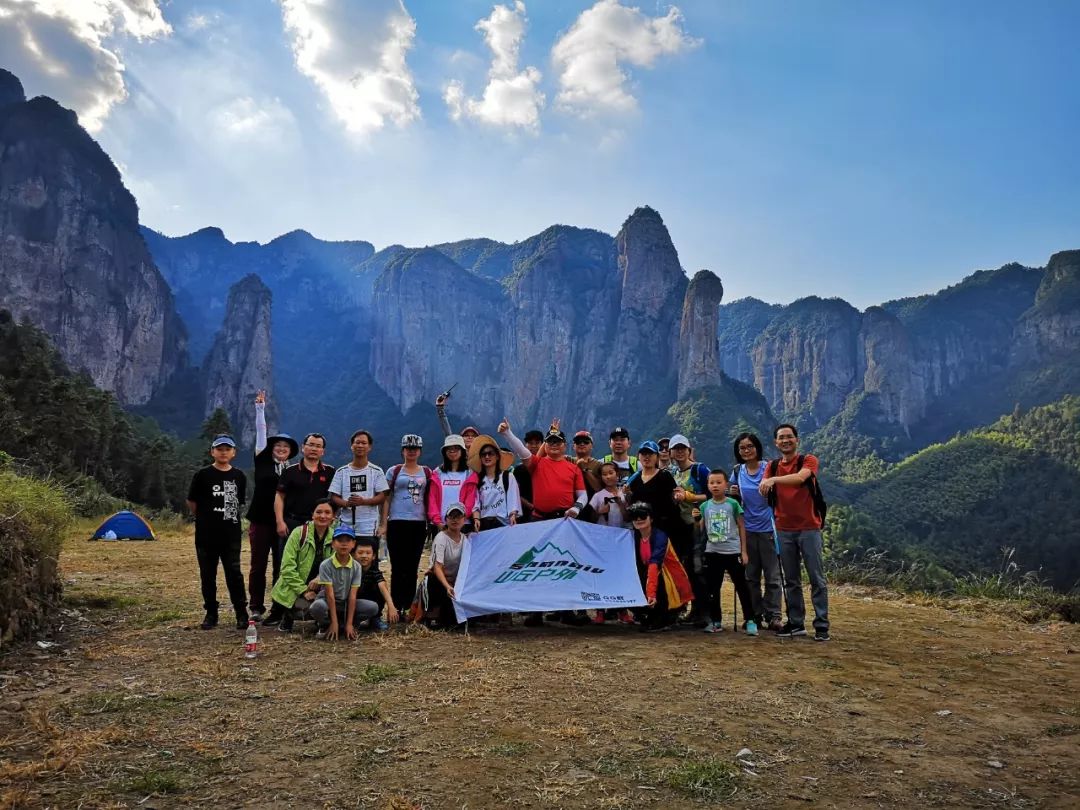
(506, 462)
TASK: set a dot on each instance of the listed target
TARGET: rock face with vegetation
(699, 356)
(240, 363)
(73, 260)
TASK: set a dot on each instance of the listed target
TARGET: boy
(339, 577)
(723, 534)
(214, 498)
(373, 587)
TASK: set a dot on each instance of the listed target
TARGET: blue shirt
(757, 513)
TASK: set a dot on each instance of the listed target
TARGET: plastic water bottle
(251, 640)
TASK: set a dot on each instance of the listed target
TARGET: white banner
(550, 565)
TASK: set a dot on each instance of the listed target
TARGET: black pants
(715, 567)
(439, 599)
(658, 615)
(227, 551)
(405, 542)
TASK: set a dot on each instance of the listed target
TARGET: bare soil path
(909, 705)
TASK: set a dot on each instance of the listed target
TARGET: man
(692, 490)
(665, 454)
(534, 439)
(790, 484)
(558, 489)
(590, 467)
(619, 441)
(358, 489)
(301, 485)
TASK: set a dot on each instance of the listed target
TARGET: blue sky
(865, 150)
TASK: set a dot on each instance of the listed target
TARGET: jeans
(263, 540)
(320, 611)
(405, 542)
(761, 549)
(227, 551)
(715, 567)
(804, 546)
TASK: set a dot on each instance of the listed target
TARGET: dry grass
(138, 705)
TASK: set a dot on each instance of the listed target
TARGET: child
(609, 503)
(373, 587)
(445, 558)
(214, 498)
(667, 587)
(339, 578)
(723, 535)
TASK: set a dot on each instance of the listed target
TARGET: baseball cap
(454, 440)
(582, 435)
(678, 440)
(649, 447)
(411, 440)
(620, 431)
(456, 507)
(470, 429)
(555, 436)
(222, 439)
(344, 531)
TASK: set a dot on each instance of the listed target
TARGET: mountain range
(595, 328)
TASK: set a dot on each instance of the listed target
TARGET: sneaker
(788, 630)
(286, 624)
(714, 627)
(751, 628)
(380, 625)
(655, 628)
(257, 616)
(798, 631)
(210, 620)
(821, 635)
(626, 617)
(320, 634)
(273, 618)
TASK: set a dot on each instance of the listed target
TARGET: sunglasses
(488, 454)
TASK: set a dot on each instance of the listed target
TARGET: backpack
(821, 508)
(396, 469)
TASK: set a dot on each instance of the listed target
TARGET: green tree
(216, 424)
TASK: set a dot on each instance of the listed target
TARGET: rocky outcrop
(1051, 327)
(72, 260)
(240, 361)
(739, 325)
(699, 356)
(11, 89)
(886, 368)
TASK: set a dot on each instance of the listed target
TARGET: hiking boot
(714, 627)
(286, 624)
(273, 618)
(789, 630)
(821, 635)
(751, 628)
(210, 620)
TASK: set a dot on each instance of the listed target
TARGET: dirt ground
(909, 705)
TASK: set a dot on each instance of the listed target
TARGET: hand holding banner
(550, 565)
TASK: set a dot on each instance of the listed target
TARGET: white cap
(454, 440)
(678, 439)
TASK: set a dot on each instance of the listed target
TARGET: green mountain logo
(533, 553)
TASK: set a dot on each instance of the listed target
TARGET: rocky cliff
(72, 260)
(240, 363)
(699, 356)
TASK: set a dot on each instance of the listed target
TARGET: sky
(853, 149)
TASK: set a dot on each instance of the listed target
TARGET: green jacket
(296, 562)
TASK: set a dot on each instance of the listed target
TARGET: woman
(297, 585)
(457, 480)
(415, 498)
(445, 561)
(656, 487)
(666, 585)
(760, 538)
(498, 502)
(271, 457)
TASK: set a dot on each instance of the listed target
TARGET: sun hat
(454, 440)
(506, 458)
(223, 439)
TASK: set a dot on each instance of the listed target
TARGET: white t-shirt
(495, 502)
(446, 551)
(367, 482)
(451, 488)
(614, 518)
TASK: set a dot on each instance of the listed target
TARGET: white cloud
(267, 122)
(355, 52)
(66, 49)
(511, 97)
(589, 57)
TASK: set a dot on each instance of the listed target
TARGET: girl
(609, 503)
(763, 560)
(667, 588)
(498, 502)
(457, 480)
(415, 497)
(272, 455)
(446, 559)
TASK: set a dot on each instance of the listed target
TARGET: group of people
(321, 529)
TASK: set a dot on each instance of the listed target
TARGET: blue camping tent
(124, 526)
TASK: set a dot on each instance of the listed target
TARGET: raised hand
(440, 400)
(504, 425)
(260, 397)
(555, 423)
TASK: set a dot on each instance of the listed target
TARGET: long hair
(498, 465)
(461, 465)
(754, 440)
